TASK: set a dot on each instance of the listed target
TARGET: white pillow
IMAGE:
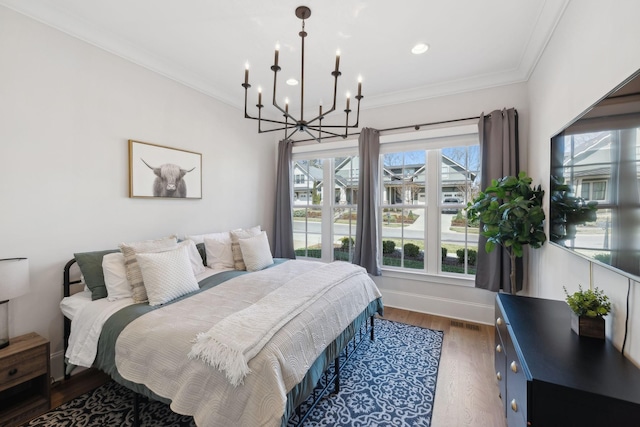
(194, 257)
(199, 238)
(134, 276)
(256, 252)
(167, 275)
(236, 235)
(115, 277)
(218, 248)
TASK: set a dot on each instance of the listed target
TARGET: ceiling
(205, 44)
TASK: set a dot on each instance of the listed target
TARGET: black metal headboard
(67, 322)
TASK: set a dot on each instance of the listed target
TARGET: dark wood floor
(466, 394)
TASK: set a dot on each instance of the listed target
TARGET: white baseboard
(455, 309)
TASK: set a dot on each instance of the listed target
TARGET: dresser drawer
(517, 384)
(18, 368)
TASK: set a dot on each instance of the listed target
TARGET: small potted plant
(588, 309)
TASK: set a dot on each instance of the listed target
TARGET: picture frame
(157, 171)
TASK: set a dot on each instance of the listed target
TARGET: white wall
(431, 295)
(67, 110)
(594, 48)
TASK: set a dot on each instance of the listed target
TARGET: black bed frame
(302, 411)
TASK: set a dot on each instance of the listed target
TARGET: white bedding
(195, 388)
(88, 317)
(70, 306)
(231, 343)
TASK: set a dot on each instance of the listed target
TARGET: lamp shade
(14, 278)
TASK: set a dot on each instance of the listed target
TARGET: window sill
(431, 278)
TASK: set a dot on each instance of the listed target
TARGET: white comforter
(153, 349)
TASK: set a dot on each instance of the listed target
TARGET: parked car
(447, 205)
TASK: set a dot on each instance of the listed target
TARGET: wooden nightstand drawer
(24, 379)
(24, 366)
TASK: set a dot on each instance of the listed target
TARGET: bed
(145, 348)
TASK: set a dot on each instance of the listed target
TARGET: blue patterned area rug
(387, 382)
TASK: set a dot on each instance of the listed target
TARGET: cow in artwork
(169, 180)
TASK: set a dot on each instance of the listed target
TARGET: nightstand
(24, 379)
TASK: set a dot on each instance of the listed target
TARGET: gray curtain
(283, 229)
(499, 157)
(366, 244)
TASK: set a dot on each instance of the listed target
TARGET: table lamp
(14, 282)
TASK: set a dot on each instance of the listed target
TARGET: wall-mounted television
(594, 207)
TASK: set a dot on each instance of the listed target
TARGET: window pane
(599, 190)
(346, 180)
(413, 238)
(586, 190)
(391, 239)
(307, 213)
(404, 178)
(403, 238)
(307, 237)
(344, 232)
(459, 243)
(459, 173)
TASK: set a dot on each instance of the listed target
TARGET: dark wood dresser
(549, 376)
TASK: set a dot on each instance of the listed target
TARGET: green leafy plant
(590, 303)
(411, 250)
(346, 242)
(444, 252)
(510, 210)
(471, 255)
(567, 211)
(388, 247)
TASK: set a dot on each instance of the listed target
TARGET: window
(427, 178)
(307, 208)
(324, 216)
(423, 223)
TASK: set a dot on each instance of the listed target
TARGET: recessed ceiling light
(420, 48)
(292, 82)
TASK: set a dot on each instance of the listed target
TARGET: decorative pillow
(197, 238)
(167, 275)
(203, 252)
(256, 252)
(134, 275)
(236, 235)
(218, 247)
(90, 264)
(115, 277)
(194, 257)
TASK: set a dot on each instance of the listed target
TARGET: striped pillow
(236, 235)
(167, 274)
(134, 275)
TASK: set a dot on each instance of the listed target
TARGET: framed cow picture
(166, 172)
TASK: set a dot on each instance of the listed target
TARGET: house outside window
(426, 183)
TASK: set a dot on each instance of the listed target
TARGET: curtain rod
(416, 127)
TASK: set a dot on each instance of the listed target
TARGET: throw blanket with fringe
(153, 349)
(233, 342)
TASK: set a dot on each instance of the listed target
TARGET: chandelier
(290, 124)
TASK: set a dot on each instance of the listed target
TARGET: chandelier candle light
(313, 126)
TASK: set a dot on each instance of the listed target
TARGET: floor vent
(457, 324)
(470, 326)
